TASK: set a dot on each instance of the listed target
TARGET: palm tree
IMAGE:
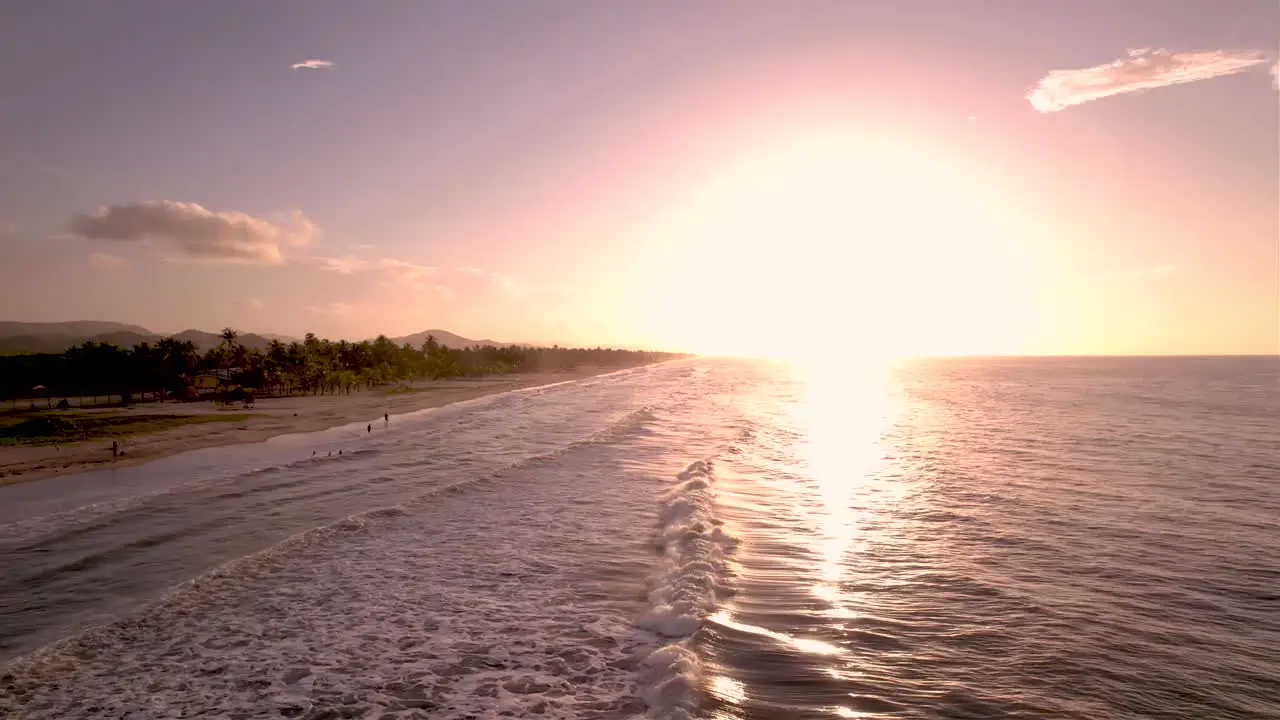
(274, 363)
(179, 358)
(227, 348)
(229, 338)
(148, 369)
(253, 366)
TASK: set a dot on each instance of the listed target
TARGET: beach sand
(273, 416)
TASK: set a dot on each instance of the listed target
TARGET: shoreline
(273, 416)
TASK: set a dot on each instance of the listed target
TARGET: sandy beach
(272, 416)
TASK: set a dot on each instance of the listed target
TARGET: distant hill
(21, 337)
(444, 337)
(72, 328)
(20, 344)
(205, 340)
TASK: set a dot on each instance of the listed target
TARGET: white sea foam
(510, 593)
(692, 578)
(694, 547)
(671, 680)
(494, 598)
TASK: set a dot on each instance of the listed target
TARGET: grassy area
(54, 428)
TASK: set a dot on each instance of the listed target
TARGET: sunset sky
(895, 176)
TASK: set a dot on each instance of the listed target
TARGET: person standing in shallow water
(370, 428)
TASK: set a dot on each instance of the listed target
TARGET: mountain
(73, 328)
(54, 337)
(21, 344)
(444, 337)
(205, 340)
(17, 338)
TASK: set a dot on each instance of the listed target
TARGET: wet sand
(273, 416)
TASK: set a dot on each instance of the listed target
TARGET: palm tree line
(171, 368)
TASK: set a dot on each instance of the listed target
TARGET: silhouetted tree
(313, 366)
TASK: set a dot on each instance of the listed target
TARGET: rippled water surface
(704, 538)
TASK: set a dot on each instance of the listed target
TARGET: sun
(845, 245)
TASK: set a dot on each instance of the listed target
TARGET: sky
(886, 177)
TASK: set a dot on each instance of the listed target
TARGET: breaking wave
(693, 576)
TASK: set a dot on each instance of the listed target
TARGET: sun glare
(846, 246)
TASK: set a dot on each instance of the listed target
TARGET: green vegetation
(176, 369)
(54, 428)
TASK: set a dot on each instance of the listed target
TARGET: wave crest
(692, 578)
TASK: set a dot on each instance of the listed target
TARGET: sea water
(703, 538)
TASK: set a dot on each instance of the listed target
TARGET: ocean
(706, 538)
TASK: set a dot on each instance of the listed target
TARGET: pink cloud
(1139, 70)
(190, 231)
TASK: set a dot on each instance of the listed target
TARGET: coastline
(272, 417)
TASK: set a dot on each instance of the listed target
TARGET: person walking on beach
(370, 427)
(386, 418)
(115, 448)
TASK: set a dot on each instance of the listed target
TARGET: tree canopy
(313, 365)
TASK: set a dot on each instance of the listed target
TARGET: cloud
(407, 273)
(314, 64)
(451, 281)
(107, 263)
(510, 286)
(407, 276)
(333, 308)
(1275, 74)
(254, 303)
(195, 233)
(342, 265)
(1139, 70)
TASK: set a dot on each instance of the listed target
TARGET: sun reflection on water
(818, 469)
(806, 645)
(728, 689)
(844, 411)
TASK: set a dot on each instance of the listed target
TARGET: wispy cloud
(510, 286)
(1144, 69)
(340, 265)
(314, 64)
(334, 308)
(254, 303)
(406, 273)
(107, 263)
(190, 231)
(1275, 74)
(449, 281)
